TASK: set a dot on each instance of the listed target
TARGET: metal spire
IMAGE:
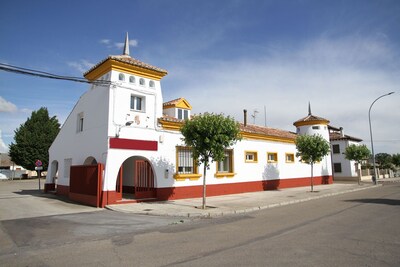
(309, 108)
(126, 46)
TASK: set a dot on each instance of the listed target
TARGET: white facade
(343, 169)
(110, 113)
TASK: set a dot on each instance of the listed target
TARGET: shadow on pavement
(40, 193)
(385, 201)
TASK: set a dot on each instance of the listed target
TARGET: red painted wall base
(237, 188)
(170, 193)
(62, 190)
(49, 187)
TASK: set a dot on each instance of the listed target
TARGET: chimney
(245, 117)
(341, 132)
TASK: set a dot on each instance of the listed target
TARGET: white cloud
(110, 44)
(119, 45)
(6, 106)
(105, 41)
(81, 66)
(3, 146)
(26, 110)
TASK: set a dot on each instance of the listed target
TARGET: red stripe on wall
(62, 190)
(170, 193)
(183, 192)
(122, 143)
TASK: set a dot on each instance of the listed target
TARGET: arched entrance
(135, 179)
(51, 180)
(90, 161)
(54, 173)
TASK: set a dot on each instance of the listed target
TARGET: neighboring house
(125, 138)
(9, 169)
(343, 169)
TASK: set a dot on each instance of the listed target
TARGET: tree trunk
(312, 180)
(204, 186)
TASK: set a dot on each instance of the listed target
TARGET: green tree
(209, 135)
(33, 139)
(358, 153)
(384, 160)
(311, 149)
(396, 159)
(396, 162)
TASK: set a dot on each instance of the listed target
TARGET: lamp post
(374, 177)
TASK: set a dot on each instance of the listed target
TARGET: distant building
(9, 168)
(122, 142)
(343, 169)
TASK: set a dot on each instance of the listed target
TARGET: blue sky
(222, 56)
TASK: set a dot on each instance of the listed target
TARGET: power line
(389, 140)
(42, 74)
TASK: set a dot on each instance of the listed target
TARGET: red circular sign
(38, 163)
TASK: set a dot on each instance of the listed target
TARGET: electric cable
(42, 74)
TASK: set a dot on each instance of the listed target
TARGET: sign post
(38, 168)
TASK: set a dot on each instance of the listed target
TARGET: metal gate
(85, 184)
(144, 180)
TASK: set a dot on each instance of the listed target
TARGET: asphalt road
(355, 229)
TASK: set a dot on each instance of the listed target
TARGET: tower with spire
(312, 124)
(130, 78)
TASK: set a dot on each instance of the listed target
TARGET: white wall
(106, 110)
(348, 167)
(92, 141)
(165, 159)
(120, 111)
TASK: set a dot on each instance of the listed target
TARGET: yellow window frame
(251, 152)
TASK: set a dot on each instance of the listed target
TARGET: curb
(242, 211)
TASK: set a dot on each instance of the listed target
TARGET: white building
(122, 141)
(343, 169)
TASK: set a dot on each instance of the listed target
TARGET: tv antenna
(254, 115)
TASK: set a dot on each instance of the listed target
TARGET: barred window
(336, 149)
(186, 163)
(337, 167)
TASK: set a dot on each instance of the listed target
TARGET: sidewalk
(240, 203)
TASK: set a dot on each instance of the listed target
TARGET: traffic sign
(38, 163)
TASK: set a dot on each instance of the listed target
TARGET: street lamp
(374, 178)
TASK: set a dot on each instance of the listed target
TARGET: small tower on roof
(312, 124)
(134, 89)
(126, 65)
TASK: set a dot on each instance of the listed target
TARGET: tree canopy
(209, 135)
(311, 149)
(357, 153)
(396, 159)
(33, 139)
(384, 160)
